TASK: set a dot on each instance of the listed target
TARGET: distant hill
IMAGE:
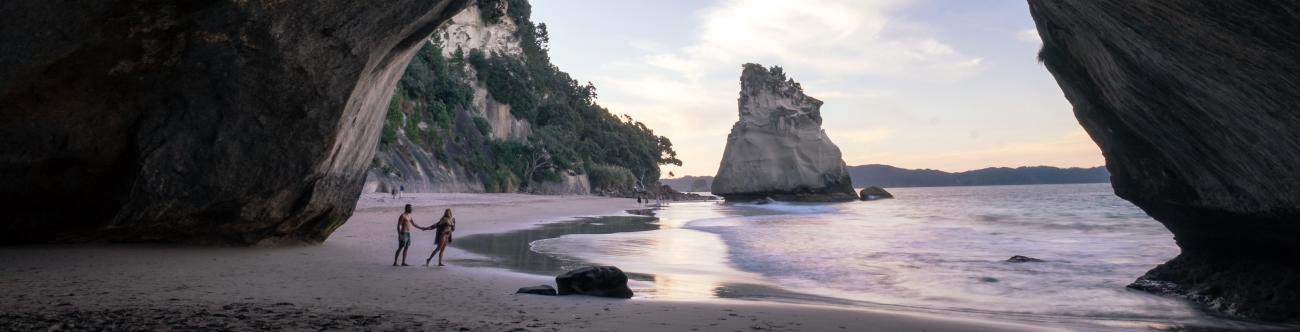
(894, 177)
(689, 183)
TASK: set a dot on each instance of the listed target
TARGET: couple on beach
(441, 237)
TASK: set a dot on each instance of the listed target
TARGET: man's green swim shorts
(404, 239)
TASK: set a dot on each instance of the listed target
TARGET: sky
(952, 85)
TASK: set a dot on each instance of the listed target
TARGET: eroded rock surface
(604, 281)
(246, 122)
(1194, 104)
(778, 149)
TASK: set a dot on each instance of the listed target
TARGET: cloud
(829, 37)
(688, 91)
(1029, 36)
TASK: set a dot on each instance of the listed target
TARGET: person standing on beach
(441, 236)
(404, 224)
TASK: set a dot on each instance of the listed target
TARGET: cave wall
(224, 121)
(1194, 105)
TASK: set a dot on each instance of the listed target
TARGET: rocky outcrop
(603, 281)
(247, 122)
(539, 290)
(874, 193)
(469, 31)
(406, 165)
(1023, 259)
(1194, 105)
(778, 149)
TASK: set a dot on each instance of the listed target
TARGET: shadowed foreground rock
(539, 290)
(604, 281)
(778, 149)
(245, 122)
(1196, 106)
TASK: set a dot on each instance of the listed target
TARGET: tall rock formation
(246, 122)
(1196, 107)
(778, 149)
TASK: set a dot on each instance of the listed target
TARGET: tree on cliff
(568, 126)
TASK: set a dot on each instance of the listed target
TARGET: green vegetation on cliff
(570, 132)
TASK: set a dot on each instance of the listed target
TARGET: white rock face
(504, 124)
(467, 31)
(778, 149)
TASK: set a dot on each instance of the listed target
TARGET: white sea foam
(931, 248)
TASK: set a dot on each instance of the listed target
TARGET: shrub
(609, 177)
(483, 126)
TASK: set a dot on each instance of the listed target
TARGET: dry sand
(348, 283)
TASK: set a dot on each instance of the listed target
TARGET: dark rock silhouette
(604, 281)
(874, 193)
(1023, 259)
(1194, 104)
(244, 122)
(539, 290)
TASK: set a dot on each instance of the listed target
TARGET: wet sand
(348, 283)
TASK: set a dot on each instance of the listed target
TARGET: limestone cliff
(1194, 105)
(247, 122)
(778, 149)
(424, 155)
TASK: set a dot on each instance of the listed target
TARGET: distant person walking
(404, 224)
(401, 190)
(441, 236)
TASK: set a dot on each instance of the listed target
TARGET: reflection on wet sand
(512, 250)
(662, 260)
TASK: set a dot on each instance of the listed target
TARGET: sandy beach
(348, 283)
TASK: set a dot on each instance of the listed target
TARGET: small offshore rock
(874, 193)
(539, 290)
(603, 281)
(1023, 259)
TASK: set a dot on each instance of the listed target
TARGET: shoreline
(352, 272)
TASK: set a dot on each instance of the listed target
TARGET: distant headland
(895, 177)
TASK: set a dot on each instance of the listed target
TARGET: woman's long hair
(446, 214)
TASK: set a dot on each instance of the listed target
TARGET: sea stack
(1194, 105)
(778, 149)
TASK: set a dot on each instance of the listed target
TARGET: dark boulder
(874, 193)
(539, 290)
(1194, 105)
(1023, 259)
(605, 281)
(231, 122)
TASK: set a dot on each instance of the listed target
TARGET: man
(404, 224)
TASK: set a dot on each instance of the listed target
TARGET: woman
(441, 236)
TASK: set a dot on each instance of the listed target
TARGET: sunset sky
(944, 84)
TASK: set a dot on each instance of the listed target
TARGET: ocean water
(929, 249)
